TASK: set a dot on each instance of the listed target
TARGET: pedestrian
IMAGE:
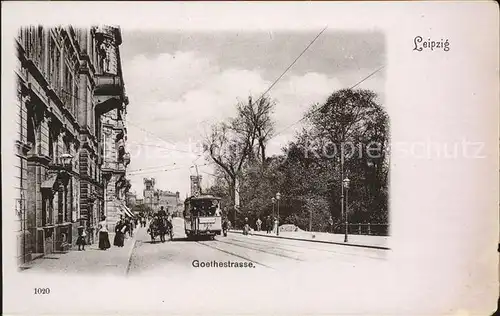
(330, 225)
(81, 238)
(225, 226)
(119, 233)
(130, 228)
(246, 227)
(162, 213)
(269, 224)
(103, 234)
(258, 223)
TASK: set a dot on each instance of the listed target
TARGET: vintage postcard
(223, 158)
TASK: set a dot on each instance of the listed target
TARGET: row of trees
(309, 171)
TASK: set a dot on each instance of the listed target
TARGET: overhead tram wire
(305, 116)
(149, 168)
(291, 65)
(263, 94)
(164, 170)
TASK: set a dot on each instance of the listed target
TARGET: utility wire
(316, 110)
(165, 170)
(291, 65)
(149, 168)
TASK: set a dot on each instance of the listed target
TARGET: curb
(129, 260)
(318, 241)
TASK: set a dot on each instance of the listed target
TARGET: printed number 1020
(41, 291)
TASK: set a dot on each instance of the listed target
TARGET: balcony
(113, 167)
(109, 93)
(108, 85)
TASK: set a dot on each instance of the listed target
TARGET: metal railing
(372, 229)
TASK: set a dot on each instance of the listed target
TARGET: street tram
(202, 216)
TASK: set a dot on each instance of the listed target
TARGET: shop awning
(50, 182)
(127, 211)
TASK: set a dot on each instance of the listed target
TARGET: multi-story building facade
(169, 200)
(63, 93)
(155, 198)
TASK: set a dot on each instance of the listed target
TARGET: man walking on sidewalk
(258, 223)
(269, 224)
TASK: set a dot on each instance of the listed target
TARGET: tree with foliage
(354, 121)
(309, 173)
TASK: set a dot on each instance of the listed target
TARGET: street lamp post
(278, 197)
(346, 186)
(273, 200)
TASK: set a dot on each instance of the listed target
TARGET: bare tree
(228, 149)
(254, 120)
(243, 138)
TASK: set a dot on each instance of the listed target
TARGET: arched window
(31, 132)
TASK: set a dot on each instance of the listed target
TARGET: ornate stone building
(63, 95)
(155, 198)
(111, 106)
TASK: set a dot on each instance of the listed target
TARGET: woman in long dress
(103, 234)
(119, 234)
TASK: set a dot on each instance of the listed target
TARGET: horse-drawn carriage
(160, 227)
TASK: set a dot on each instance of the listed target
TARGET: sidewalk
(367, 241)
(114, 260)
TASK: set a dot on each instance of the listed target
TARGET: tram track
(260, 250)
(234, 254)
(279, 245)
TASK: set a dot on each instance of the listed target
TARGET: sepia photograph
(140, 150)
(201, 163)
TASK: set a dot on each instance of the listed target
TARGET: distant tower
(149, 189)
(195, 185)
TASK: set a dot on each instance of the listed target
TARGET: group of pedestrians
(123, 227)
(270, 225)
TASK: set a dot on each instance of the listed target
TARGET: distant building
(169, 200)
(131, 199)
(155, 198)
(149, 190)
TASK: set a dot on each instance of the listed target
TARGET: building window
(51, 145)
(60, 205)
(47, 211)
(31, 135)
(76, 100)
(54, 66)
(68, 88)
(41, 49)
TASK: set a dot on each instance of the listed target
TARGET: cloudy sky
(179, 83)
